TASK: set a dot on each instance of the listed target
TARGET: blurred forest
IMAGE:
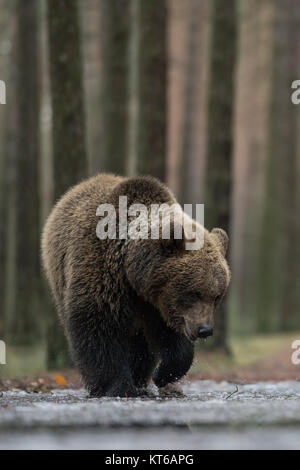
(195, 92)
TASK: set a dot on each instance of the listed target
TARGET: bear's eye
(189, 299)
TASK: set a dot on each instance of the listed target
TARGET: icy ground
(211, 416)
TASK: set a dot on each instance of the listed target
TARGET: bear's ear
(221, 238)
(174, 239)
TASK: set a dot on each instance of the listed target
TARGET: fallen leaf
(60, 380)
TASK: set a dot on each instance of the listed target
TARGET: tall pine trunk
(219, 139)
(152, 90)
(92, 37)
(114, 85)
(7, 35)
(191, 167)
(252, 110)
(278, 267)
(69, 152)
(24, 318)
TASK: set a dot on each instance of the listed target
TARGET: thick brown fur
(131, 309)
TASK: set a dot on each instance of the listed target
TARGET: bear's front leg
(177, 357)
(170, 391)
(101, 354)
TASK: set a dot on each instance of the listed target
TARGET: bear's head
(185, 286)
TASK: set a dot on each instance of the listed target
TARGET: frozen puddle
(213, 416)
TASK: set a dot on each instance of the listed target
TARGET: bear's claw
(171, 391)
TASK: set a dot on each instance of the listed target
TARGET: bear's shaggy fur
(131, 309)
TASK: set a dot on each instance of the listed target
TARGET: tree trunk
(133, 86)
(252, 109)
(193, 146)
(278, 267)
(92, 37)
(25, 319)
(288, 116)
(69, 154)
(114, 84)
(152, 92)
(178, 41)
(219, 143)
(7, 36)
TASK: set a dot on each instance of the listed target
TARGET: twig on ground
(232, 393)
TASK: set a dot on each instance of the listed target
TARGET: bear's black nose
(205, 331)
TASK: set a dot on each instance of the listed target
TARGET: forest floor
(212, 415)
(247, 401)
(261, 358)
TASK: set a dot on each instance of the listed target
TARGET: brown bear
(131, 308)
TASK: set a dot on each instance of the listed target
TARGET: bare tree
(69, 152)
(114, 85)
(8, 144)
(24, 320)
(92, 43)
(152, 91)
(252, 109)
(191, 167)
(279, 256)
(220, 140)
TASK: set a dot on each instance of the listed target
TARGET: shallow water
(211, 416)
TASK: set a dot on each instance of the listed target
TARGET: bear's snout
(205, 331)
